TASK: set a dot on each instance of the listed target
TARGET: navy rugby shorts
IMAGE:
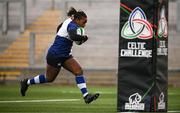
(56, 62)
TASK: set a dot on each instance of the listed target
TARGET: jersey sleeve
(72, 31)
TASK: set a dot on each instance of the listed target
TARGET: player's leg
(73, 66)
(49, 76)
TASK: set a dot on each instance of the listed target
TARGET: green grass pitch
(42, 99)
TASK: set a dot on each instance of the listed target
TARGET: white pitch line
(152, 112)
(173, 111)
(50, 100)
(104, 92)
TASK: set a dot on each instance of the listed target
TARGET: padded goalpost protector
(143, 56)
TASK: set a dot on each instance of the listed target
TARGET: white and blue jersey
(61, 49)
(63, 30)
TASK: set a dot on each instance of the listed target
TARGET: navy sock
(37, 80)
(81, 83)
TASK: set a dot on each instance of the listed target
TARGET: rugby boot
(24, 86)
(90, 97)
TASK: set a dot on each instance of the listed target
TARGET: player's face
(82, 22)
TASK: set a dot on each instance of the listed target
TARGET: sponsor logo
(163, 27)
(134, 102)
(137, 26)
(161, 103)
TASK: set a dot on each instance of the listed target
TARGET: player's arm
(75, 37)
(58, 27)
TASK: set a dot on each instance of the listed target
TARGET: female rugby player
(59, 55)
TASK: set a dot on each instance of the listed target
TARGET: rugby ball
(80, 31)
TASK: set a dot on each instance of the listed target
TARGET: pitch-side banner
(142, 71)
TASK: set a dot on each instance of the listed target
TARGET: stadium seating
(16, 55)
(100, 52)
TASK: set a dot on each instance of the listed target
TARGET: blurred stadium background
(28, 28)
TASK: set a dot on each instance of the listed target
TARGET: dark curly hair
(80, 14)
(71, 11)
